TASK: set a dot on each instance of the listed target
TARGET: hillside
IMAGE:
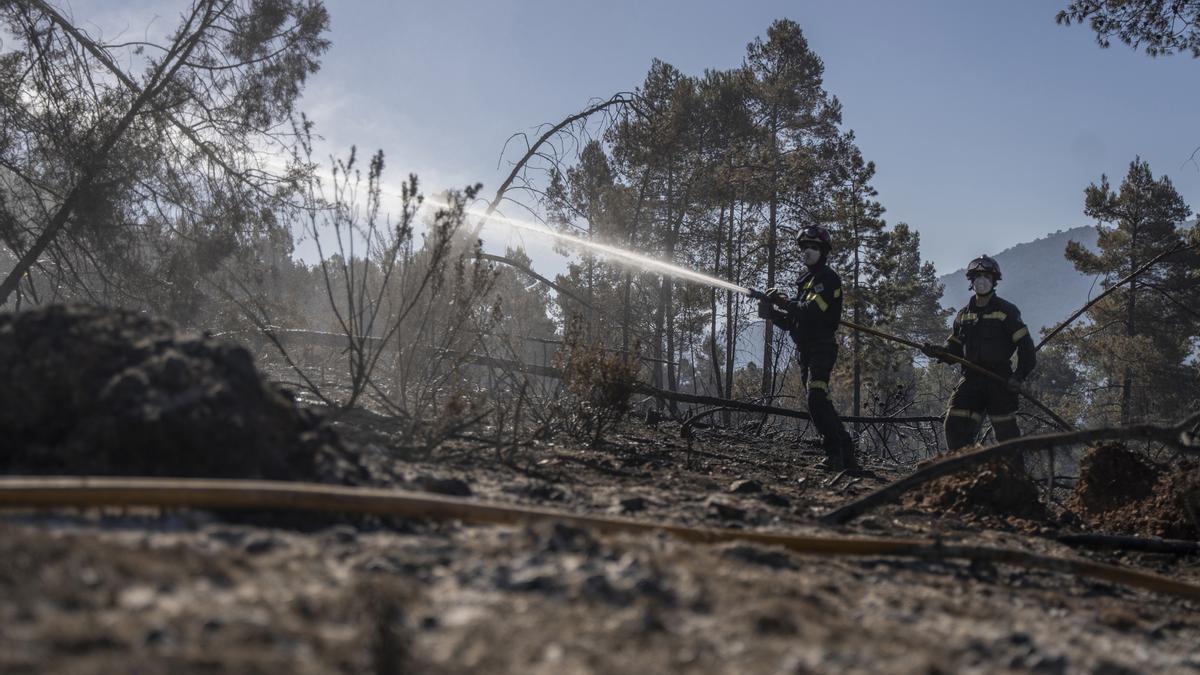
(1037, 278)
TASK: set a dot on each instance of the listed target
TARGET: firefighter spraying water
(797, 313)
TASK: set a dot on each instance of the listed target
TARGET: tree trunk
(1130, 330)
(660, 314)
(712, 340)
(731, 322)
(656, 350)
(768, 371)
(856, 336)
(626, 312)
(668, 304)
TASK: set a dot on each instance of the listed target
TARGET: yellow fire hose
(64, 492)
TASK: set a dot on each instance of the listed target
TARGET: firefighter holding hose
(986, 332)
(811, 318)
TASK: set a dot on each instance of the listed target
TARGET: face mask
(811, 256)
(982, 285)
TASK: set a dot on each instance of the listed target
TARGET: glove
(777, 295)
(765, 310)
(934, 352)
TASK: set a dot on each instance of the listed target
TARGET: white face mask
(982, 285)
(811, 256)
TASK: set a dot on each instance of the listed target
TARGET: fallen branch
(767, 409)
(1181, 435)
(1125, 543)
(642, 388)
(551, 372)
(85, 492)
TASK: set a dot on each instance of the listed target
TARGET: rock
(546, 493)
(446, 486)
(760, 556)
(528, 580)
(260, 545)
(343, 534)
(775, 499)
(1106, 667)
(560, 538)
(631, 504)
(154, 637)
(651, 622)
(1053, 665)
(874, 523)
(745, 486)
(719, 509)
(775, 623)
(227, 536)
(598, 587)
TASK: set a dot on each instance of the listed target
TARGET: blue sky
(986, 120)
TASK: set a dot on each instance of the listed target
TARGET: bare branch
(1181, 435)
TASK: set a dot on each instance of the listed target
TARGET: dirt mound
(996, 490)
(104, 391)
(1110, 476)
(1120, 492)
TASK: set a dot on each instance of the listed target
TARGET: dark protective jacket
(812, 316)
(988, 336)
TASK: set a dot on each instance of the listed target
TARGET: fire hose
(66, 492)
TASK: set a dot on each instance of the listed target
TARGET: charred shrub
(597, 385)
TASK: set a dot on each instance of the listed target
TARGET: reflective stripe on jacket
(813, 315)
(989, 335)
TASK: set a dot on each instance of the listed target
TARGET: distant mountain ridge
(1037, 278)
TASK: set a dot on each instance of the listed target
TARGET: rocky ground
(101, 591)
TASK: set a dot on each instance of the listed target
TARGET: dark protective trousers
(816, 365)
(974, 397)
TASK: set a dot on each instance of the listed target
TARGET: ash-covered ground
(149, 591)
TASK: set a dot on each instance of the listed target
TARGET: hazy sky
(986, 120)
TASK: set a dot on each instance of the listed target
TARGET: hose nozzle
(775, 298)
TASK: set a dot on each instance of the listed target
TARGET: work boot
(847, 454)
(834, 456)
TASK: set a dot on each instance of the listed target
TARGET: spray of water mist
(622, 256)
(611, 253)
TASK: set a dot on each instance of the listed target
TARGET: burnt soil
(999, 493)
(102, 591)
(1121, 491)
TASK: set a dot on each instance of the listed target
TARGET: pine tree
(905, 300)
(859, 237)
(796, 118)
(110, 150)
(1140, 336)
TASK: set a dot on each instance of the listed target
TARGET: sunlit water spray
(611, 253)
